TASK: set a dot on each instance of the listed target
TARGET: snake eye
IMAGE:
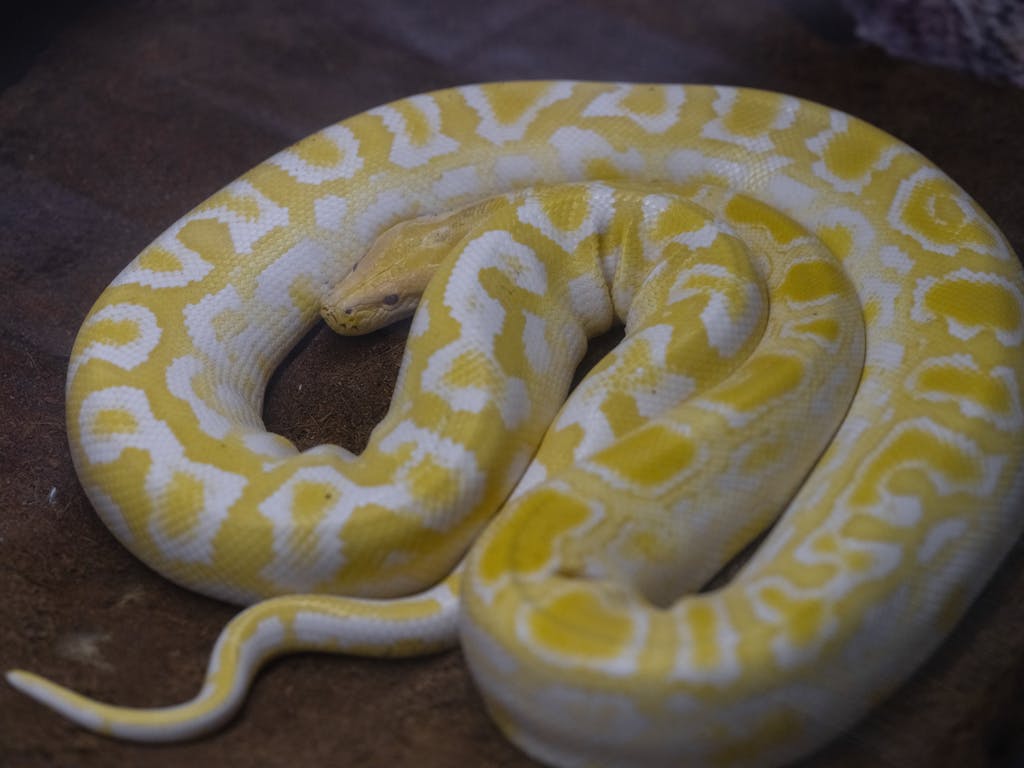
(391, 299)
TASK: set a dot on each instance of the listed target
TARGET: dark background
(117, 118)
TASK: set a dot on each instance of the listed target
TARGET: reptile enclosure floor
(116, 118)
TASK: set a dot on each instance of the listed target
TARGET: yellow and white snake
(819, 324)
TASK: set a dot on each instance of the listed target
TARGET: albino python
(822, 331)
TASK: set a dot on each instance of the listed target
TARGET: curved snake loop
(823, 334)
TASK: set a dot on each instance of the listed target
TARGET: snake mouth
(369, 315)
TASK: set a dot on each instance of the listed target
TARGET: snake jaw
(359, 318)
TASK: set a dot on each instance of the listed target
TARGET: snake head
(352, 312)
(386, 284)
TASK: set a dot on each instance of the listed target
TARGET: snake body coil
(821, 331)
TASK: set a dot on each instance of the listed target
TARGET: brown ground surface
(116, 118)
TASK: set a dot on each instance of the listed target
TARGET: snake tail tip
(26, 682)
(159, 725)
(40, 689)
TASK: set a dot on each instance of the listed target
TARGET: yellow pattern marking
(822, 336)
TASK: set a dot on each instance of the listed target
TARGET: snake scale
(823, 336)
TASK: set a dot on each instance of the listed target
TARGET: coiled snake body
(818, 324)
